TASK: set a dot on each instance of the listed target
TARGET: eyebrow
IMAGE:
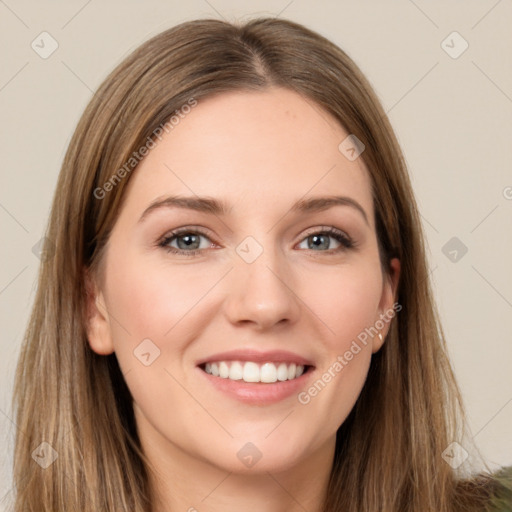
(217, 207)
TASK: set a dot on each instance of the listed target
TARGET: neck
(182, 482)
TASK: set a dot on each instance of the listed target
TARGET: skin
(260, 152)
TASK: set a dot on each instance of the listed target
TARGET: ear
(97, 320)
(387, 310)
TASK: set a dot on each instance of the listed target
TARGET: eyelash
(344, 240)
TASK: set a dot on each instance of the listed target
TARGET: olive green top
(502, 500)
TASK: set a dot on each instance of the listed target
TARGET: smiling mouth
(252, 372)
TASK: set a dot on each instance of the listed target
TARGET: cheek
(345, 299)
(151, 299)
(155, 312)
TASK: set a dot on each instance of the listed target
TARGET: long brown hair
(389, 450)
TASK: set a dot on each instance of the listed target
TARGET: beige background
(452, 116)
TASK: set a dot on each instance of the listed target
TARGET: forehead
(272, 146)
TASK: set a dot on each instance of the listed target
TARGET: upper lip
(277, 356)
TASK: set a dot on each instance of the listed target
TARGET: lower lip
(258, 393)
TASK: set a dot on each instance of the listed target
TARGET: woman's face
(259, 288)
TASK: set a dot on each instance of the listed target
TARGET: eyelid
(323, 229)
(200, 230)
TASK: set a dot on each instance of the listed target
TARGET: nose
(261, 293)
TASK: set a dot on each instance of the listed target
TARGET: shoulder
(485, 492)
(501, 492)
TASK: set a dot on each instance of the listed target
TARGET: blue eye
(187, 242)
(320, 240)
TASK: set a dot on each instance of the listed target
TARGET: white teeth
(282, 372)
(251, 372)
(268, 373)
(223, 370)
(254, 372)
(236, 372)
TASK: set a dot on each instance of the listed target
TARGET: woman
(238, 313)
